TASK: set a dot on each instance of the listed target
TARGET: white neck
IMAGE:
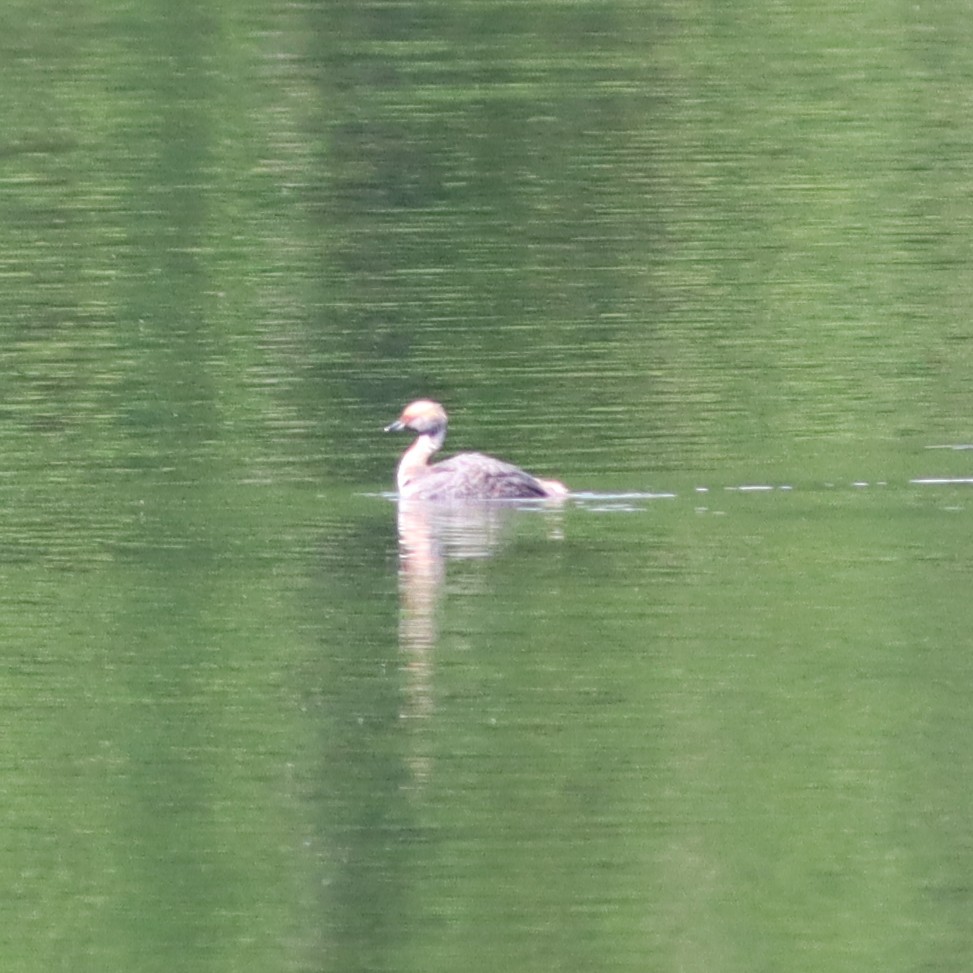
(415, 460)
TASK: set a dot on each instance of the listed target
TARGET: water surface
(709, 270)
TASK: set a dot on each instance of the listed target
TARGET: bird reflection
(430, 535)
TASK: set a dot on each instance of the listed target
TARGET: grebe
(466, 476)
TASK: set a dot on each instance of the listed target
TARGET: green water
(255, 716)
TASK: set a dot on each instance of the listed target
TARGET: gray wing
(475, 476)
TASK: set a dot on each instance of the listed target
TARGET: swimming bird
(466, 476)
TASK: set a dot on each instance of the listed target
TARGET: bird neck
(415, 460)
